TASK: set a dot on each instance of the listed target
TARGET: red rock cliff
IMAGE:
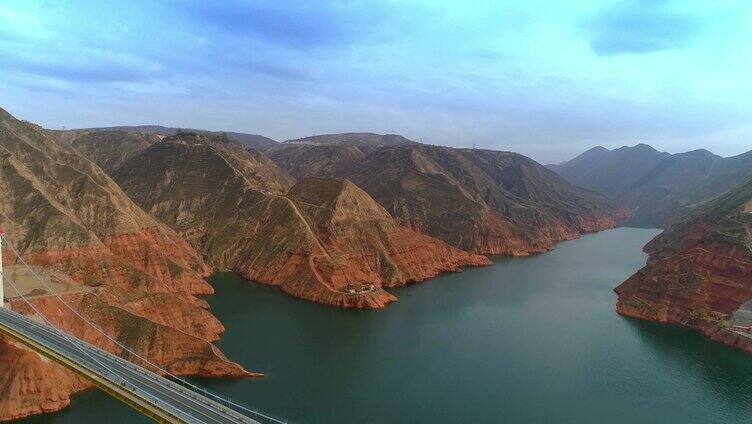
(126, 272)
(699, 274)
(325, 240)
(484, 201)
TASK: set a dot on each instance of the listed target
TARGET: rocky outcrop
(366, 243)
(699, 273)
(484, 201)
(324, 240)
(31, 385)
(132, 276)
(172, 345)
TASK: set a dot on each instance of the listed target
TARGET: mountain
(593, 154)
(611, 172)
(123, 270)
(255, 141)
(354, 139)
(699, 272)
(322, 240)
(482, 201)
(657, 187)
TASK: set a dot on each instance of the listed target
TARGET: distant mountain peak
(700, 153)
(658, 186)
(639, 147)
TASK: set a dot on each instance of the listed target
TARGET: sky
(548, 79)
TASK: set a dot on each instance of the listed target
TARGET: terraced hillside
(231, 204)
(108, 149)
(123, 270)
(483, 201)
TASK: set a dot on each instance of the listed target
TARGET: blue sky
(545, 78)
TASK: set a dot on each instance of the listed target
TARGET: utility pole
(2, 276)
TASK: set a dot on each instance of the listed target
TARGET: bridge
(158, 394)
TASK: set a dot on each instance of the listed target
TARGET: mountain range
(483, 201)
(127, 223)
(316, 239)
(656, 187)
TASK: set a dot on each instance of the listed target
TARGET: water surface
(526, 340)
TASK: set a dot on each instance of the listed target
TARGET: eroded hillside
(123, 270)
(484, 201)
(699, 273)
(232, 204)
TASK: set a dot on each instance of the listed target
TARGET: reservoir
(530, 340)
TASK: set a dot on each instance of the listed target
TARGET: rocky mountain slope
(658, 187)
(321, 240)
(699, 274)
(253, 141)
(130, 274)
(483, 201)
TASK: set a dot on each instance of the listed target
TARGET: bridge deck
(157, 397)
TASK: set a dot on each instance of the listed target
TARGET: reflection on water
(527, 340)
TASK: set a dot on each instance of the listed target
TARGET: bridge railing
(256, 414)
(104, 372)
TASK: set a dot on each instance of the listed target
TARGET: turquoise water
(531, 340)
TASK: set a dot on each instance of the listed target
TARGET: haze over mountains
(657, 187)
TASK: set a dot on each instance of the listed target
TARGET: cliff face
(324, 241)
(133, 276)
(484, 201)
(30, 385)
(366, 243)
(699, 274)
(658, 187)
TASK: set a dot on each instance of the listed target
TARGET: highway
(157, 397)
